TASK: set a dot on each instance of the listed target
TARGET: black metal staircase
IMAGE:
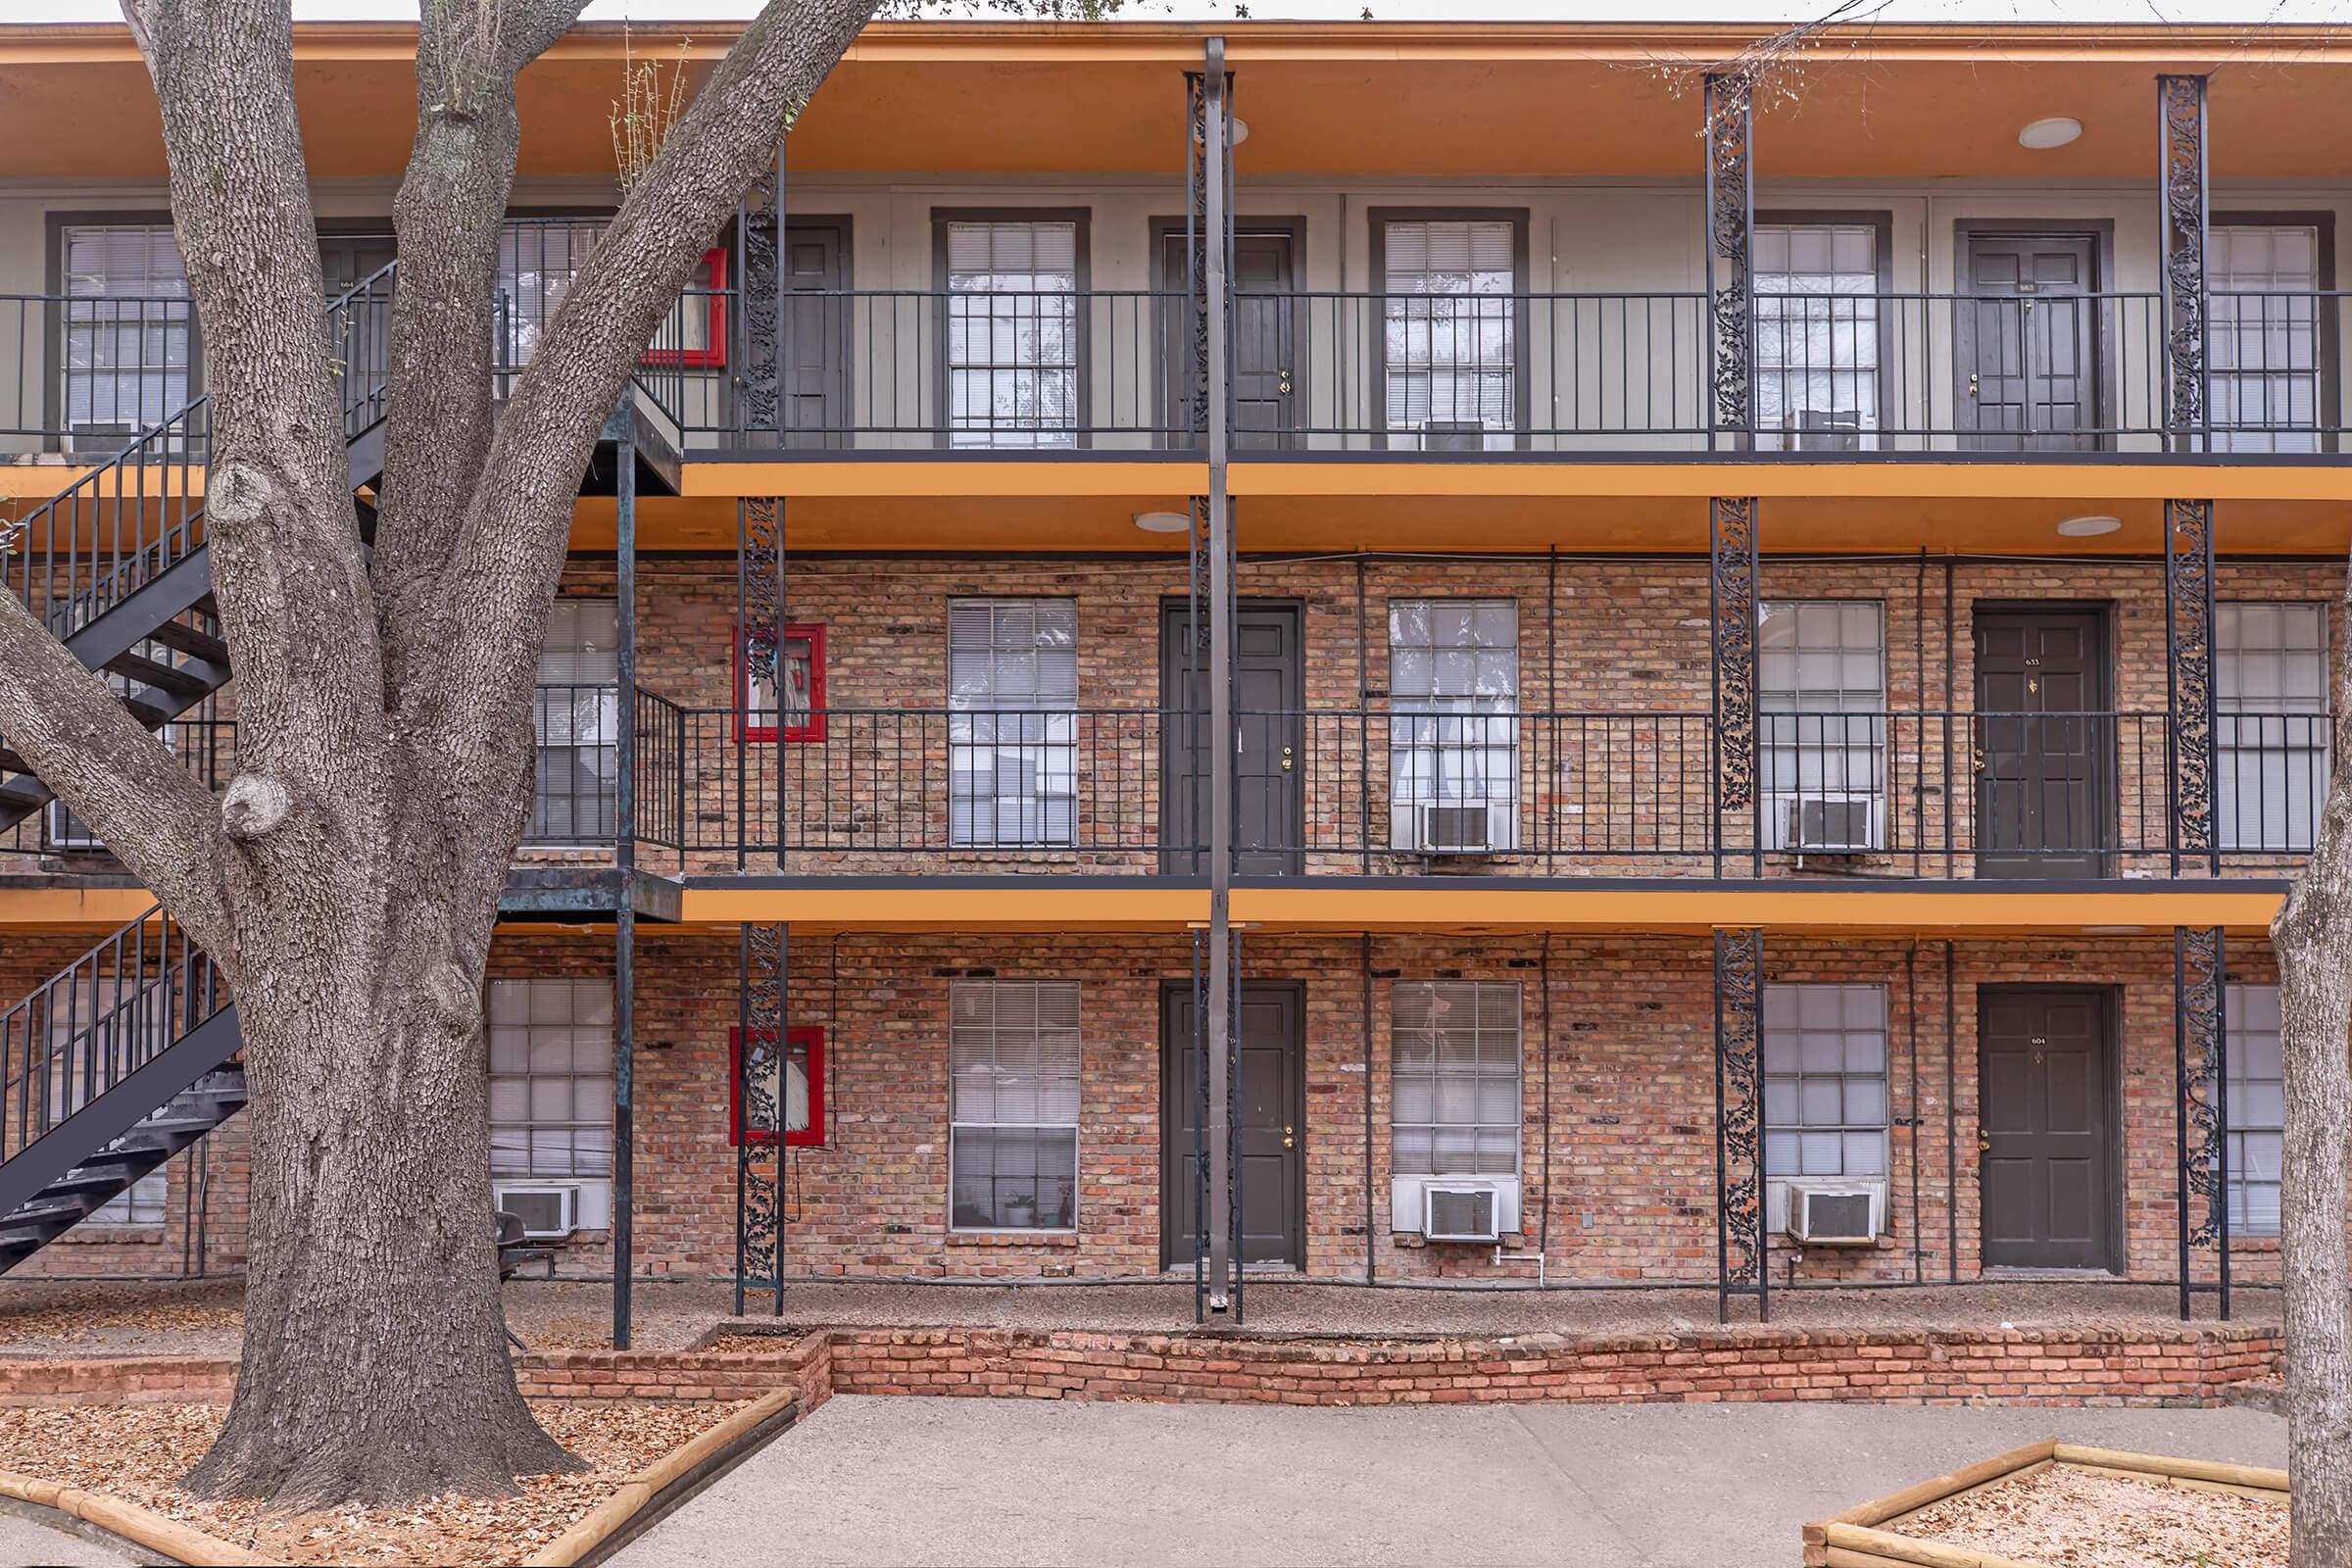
(116, 562)
(108, 1070)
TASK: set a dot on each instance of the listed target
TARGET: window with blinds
(1012, 370)
(1821, 689)
(1453, 734)
(129, 331)
(1013, 1099)
(575, 718)
(1825, 1080)
(1817, 336)
(2257, 1086)
(2263, 355)
(1454, 1085)
(551, 1079)
(1012, 692)
(1449, 330)
(2270, 722)
(537, 260)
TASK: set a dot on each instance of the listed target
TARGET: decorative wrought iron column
(757, 382)
(1730, 263)
(759, 1120)
(1740, 1259)
(2190, 740)
(2181, 126)
(624, 860)
(1732, 627)
(1201, 168)
(2201, 1072)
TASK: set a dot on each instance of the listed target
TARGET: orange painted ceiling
(1538, 99)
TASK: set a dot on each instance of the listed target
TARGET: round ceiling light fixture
(2044, 134)
(1164, 521)
(2088, 527)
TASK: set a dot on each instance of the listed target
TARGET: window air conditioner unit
(1822, 429)
(1827, 825)
(1453, 435)
(1460, 1211)
(1835, 1214)
(547, 1212)
(1457, 827)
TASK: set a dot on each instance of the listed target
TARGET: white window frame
(524, 1015)
(2271, 724)
(1450, 322)
(1454, 741)
(2265, 335)
(1418, 1053)
(1803, 1022)
(1822, 731)
(999, 722)
(976, 1019)
(1818, 332)
(101, 313)
(576, 720)
(1014, 332)
(2256, 1105)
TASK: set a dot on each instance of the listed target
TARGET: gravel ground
(45, 1317)
(2087, 1520)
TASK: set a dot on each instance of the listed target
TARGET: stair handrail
(172, 446)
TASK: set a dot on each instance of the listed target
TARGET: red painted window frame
(712, 355)
(814, 729)
(809, 1036)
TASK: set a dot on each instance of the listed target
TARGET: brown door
(2043, 743)
(1269, 1123)
(2026, 343)
(1270, 825)
(1266, 385)
(2046, 1113)
(817, 333)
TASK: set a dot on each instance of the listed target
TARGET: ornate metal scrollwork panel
(2188, 603)
(2200, 983)
(2180, 105)
(1731, 603)
(1730, 271)
(1739, 1118)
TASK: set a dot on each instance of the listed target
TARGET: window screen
(1012, 339)
(1825, 1080)
(1453, 1062)
(2257, 1085)
(1454, 692)
(551, 1079)
(2263, 360)
(1450, 326)
(1012, 755)
(1822, 699)
(1013, 1094)
(130, 329)
(1817, 334)
(577, 718)
(2271, 722)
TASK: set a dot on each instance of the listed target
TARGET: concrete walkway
(26, 1541)
(920, 1481)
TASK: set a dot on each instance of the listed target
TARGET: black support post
(2190, 739)
(624, 856)
(1731, 261)
(1731, 626)
(1740, 1253)
(762, 1068)
(2201, 1076)
(2189, 388)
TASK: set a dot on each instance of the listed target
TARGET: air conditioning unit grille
(1844, 1216)
(544, 1210)
(1455, 827)
(1460, 1213)
(1829, 824)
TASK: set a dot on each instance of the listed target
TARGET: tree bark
(2313, 940)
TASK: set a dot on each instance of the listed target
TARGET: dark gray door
(1269, 763)
(2026, 343)
(817, 333)
(2042, 744)
(1265, 362)
(1269, 1123)
(2047, 1116)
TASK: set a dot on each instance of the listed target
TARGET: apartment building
(1355, 651)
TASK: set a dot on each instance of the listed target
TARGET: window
(145, 1011)
(1012, 332)
(1453, 1065)
(1817, 334)
(537, 260)
(2262, 361)
(577, 718)
(551, 1079)
(128, 329)
(804, 683)
(1012, 689)
(804, 1088)
(1825, 1080)
(2257, 1088)
(1453, 737)
(1821, 700)
(2270, 723)
(1450, 329)
(1012, 1064)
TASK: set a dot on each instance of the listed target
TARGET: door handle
(1983, 1142)
(1288, 1140)
(1972, 383)
(1286, 759)
(1977, 758)
(1282, 382)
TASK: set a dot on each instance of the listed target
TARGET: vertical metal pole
(1731, 625)
(2180, 132)
(782, 1023)
(2201, 1095)
(624, 915)
(1731, 270)
(2190, 723)
(743, 1102)
(1739, 1251)
(1221, 1262)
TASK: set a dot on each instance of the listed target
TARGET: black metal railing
(102, 1018)
(206, 747)
(89, 372)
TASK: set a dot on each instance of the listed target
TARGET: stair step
(151, 710)
(189, 683)
(23, 790)
(189, 640)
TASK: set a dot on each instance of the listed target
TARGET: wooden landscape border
(645, 1497)
(1857, 1538)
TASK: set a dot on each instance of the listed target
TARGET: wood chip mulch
(139, 1452)
(2072, 1518)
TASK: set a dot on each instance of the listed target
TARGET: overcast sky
(1988, 10)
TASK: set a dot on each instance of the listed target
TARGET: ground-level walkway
(916, 1481)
